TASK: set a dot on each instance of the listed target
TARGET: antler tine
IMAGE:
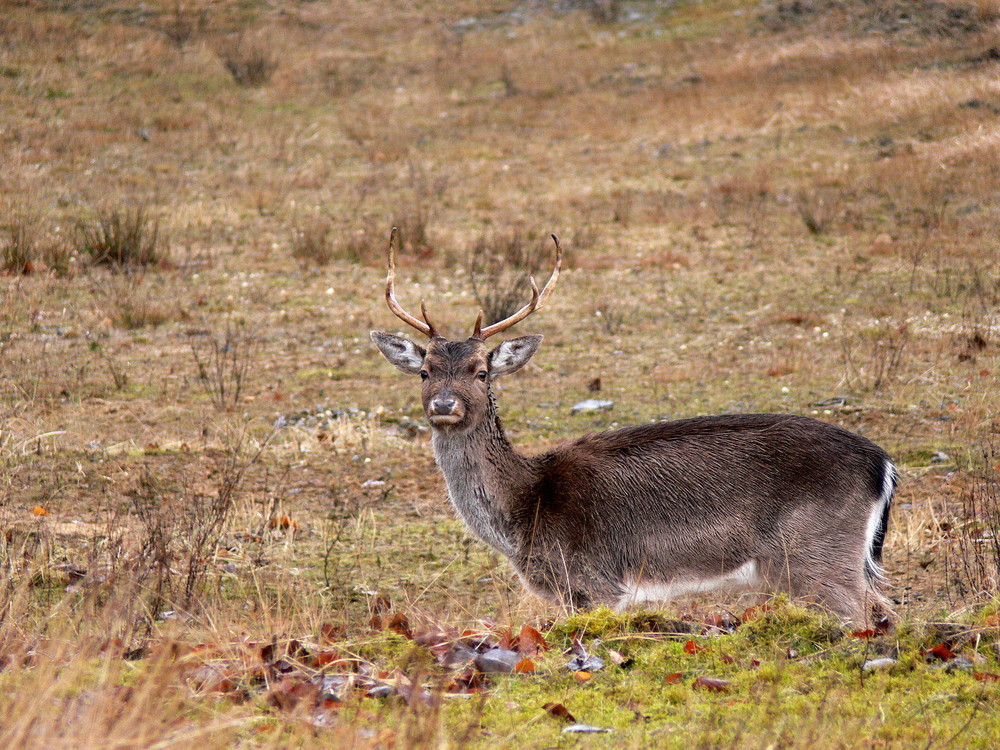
(424, 326)
(537, 300)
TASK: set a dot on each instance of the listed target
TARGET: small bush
(128, 302)
(249, 62)
(20, 249)
(311, 244)
(122, 239)
(183, 23)
(499, 267)
(818, 208)
(27, 250)
(224, 363)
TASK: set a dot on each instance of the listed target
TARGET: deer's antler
(537, 300)
(424, 326)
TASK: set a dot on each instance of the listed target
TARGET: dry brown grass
(795, 220)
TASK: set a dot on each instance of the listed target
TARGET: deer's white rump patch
(743, 578)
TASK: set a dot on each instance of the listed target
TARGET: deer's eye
(424, 374)
(482, 375)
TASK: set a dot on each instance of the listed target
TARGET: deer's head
(456, 375)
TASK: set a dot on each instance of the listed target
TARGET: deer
(760, 503)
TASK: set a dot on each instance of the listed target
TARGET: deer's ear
(400, 351)
(511, 356)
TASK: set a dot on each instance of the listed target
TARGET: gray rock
(584, 729)
(593, 404)
(876, 664)
(497, 660)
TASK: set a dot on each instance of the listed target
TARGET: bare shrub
(605, 11)
(499, 267)
(184, 22)
(127, 300)
(873, 358)
(20, 248)
(311, 243)
(412, 218)
(122, 238)
(223, 364)
(363, 245)
(28, 249)
(182, 524)
(974, 558)
(249, 61)
(818, 207)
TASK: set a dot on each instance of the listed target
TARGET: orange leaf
(583, 676)
(38, 510)
(560, 712)
(864, 633)
(673, 678)
(530, 642)
(525, 666)
(692, 648)
(986, 676)
(940, 651)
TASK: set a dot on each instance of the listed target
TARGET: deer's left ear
(511, 356)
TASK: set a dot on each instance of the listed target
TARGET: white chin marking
(743, 578)
(443, 420)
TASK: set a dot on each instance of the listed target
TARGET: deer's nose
(443, 405)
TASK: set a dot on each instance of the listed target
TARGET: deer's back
(740, 467)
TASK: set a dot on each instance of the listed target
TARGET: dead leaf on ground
(525, 666)
(712, 683)
(530, 642)
(941, 652)
(690, 647)
(560, 712)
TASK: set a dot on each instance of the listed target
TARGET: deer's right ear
(402, 352)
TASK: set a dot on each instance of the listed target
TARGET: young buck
(758, 502)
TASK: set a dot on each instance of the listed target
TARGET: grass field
(223, 526)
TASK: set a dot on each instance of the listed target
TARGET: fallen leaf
(560, 712)
(324, 658)
(673, 678)
(690, 647)
(290, 691)
(941, 652)
(530, 642)
(525, 666)
(711, 683)
(986, 676)
(992, 621)
(330, 632)
(869, 633)
(38, 510)
(581, 676)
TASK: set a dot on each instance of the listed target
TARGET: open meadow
(222, 522)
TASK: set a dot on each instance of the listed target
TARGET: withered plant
(122, 239)
(249, 61)
(500, 264)
(224, 363)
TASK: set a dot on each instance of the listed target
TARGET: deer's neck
(484, 474)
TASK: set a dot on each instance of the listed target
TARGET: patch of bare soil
(900, 19)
